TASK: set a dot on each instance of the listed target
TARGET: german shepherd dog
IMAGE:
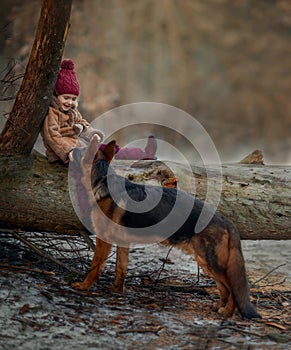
(217, 248)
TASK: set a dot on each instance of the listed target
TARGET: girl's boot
(136, 153)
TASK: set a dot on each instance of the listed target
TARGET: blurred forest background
(228, 63)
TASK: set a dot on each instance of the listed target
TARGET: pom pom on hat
(67, 64)
(67, 82)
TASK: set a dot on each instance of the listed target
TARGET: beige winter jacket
(61, 132)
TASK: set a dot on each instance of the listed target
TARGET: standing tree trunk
(33, 99)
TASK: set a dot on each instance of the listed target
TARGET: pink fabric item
(135, 153)
(67, 82)
(150, 148)
(132, 153)
(103, 145)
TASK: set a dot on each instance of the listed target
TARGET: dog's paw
(225, 311)
(80, 286)
(117, 288)
(215, 307)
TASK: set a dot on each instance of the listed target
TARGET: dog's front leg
(102, 250)
(120, 269)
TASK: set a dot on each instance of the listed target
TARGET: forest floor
(164, 306)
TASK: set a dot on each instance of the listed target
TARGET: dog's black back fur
(138, 193)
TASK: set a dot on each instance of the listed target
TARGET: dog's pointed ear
(108, 151)
(92, 150)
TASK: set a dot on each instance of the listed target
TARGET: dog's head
(106, 152)
(90, 154)
(84, 161)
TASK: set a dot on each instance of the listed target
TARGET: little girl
(64, 127)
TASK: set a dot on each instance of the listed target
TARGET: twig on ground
(88, 240)
(239, 330)
(267, 274)
(41, 253)
(24, 268)
(141, 330)
(164, 263)
(273, 284)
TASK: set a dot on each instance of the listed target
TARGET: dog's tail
(236, 274)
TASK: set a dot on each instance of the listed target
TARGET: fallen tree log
(34, 194)
(256, 198)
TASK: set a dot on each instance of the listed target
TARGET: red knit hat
(67, 82)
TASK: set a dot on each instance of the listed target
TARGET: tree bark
(35, 197)
(33, 99)
(258, 200)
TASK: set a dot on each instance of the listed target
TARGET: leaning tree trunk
(33, 99)
(35, 197)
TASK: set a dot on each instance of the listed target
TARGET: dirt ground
(164, 306)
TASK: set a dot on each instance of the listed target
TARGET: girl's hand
(70, 155)
(78, 128)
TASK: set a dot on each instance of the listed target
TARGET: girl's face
(68, 101)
